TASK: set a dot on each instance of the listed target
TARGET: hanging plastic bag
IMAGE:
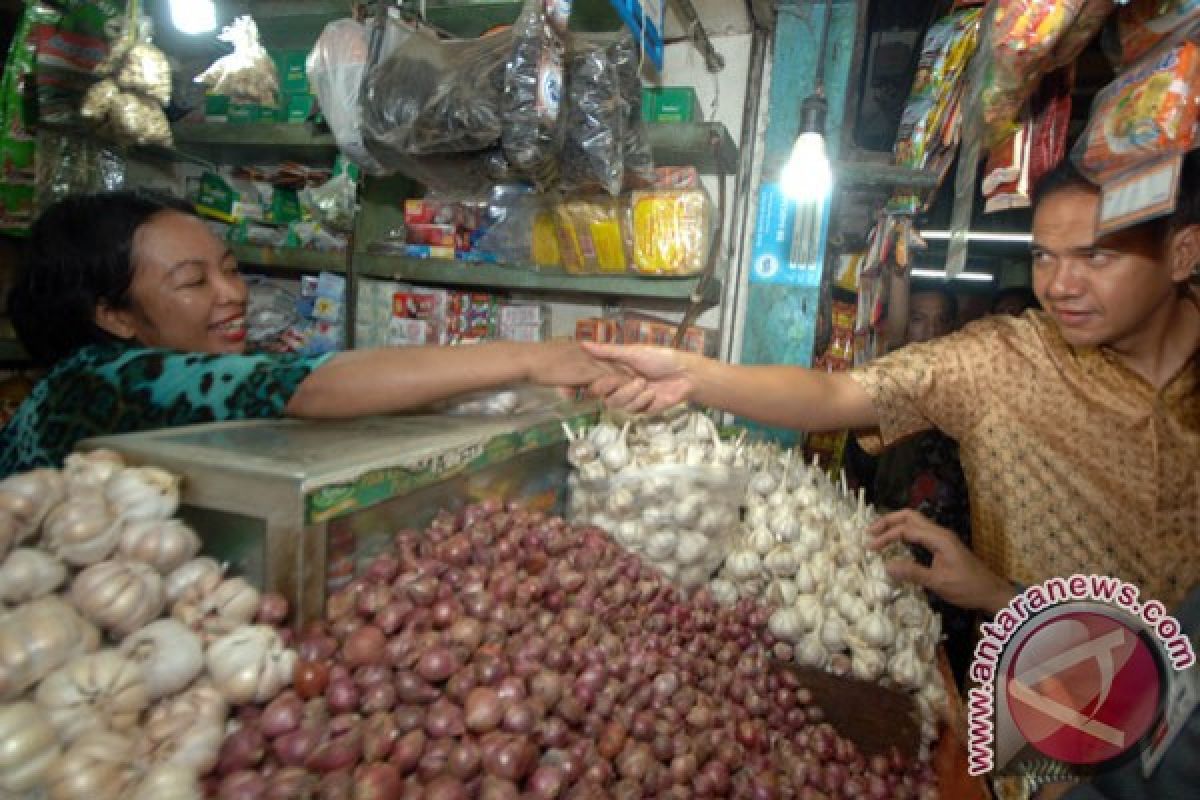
(128, 102)
(625, 56)
(335, 68)
(592, 157)
(247, 75)
(533, 90)
(1143, 24)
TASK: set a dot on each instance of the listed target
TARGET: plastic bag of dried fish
(533, 108)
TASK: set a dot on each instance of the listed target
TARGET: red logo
(1083, 688)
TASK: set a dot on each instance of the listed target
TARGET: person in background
(139, 312)
(1078, 426)
(922, 472)
(1014, 301)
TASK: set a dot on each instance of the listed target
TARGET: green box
(216, 107)
(295, 108)
(669, 104)
(245, 113)
(215, 198)
(293, 72)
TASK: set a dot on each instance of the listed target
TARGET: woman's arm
(789, 397)
(386, 380)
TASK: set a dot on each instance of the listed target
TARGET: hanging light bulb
(194, 16)
(807, 175)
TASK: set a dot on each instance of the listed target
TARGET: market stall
(511, 595)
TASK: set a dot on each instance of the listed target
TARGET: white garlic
(763, 483)
(629, 533)
(761, 540)
(143, 493)
(909, 611)
(723, 591)
(593, 471)
(784, 524)
(804, 579)
(603, 434)
(661, 546)
(620, 501)
(876, 629)
(785, 624)
(757, 515)
(693, 577)
(688, 509)
(780, 561)
(691, 547)
(850, 606)
(782, 593)
(811, 651)
(906, 669)
(866, 663)
(615, 454)
(810, 611)
(743, 563)
(833, 633)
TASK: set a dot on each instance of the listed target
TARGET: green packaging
(669, 104)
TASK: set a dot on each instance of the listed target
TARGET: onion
(282, 715)
(293, 749)
(242, 785)
(444, 719)
(546, 783)
(411, 688)
(272, 609)
(465, 760)
(341, 748)
(364, 647)
(407, 752)
(438, 664)
(519, 717)
(376, 782)
(445, 788)
(512, 759)
(409, 718)
(290, 782)
(484, 710)
(243, 749)
(342, 695)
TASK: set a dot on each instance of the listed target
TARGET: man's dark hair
(79, 255)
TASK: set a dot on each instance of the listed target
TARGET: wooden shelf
(691, 144)
(494, 276)
(225, 142)
(295, 259)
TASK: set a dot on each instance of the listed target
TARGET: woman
(139, 311)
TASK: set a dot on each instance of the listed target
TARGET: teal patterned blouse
(112, 388)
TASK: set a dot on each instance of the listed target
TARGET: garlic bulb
(250, 665)
(785, 525)
(81, 530)
(168, 654)
(661, 546)
(28, 746)
(906, 668)
(215, 607)
(182, 577)
(168, 782)
(743, 563)
(833, 633)
(763, 483)
(101, 690)
(87, 473)
(27, 574)
(603, 434)
(119, 596)
(780, 561)
(785, 624)
(186, 729)
(850, 606)
(866, 664)
(620, 501)
(630, 533)
(691, 548)
(811, 651)
(164, 544)
(761, 541)
(615, 454)
(693, 577)
(876, 629)
(723, 591)
(688, 509)
(804, 579)
(808, 611)
(99, 766)
(38, 637)
(143, 493)
(29, 496)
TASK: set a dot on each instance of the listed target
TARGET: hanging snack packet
(635, 142)
(1147, 113)
(533, 91)
(1143, 24)
(248, 74)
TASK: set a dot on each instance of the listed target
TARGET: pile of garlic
(667, 488)
(121, 651)
(804, 551)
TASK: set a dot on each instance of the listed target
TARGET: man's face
(1100, 292)
(928, 317)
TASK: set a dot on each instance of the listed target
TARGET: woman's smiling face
(186, 293)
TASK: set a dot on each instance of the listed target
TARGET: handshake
(633, 378)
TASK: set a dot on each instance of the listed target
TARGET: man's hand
(651, 379)
(562, 364)
(956, 574)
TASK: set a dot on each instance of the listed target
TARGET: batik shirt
(111, 388)
(1075, 463)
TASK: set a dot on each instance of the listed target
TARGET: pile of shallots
(120, 652)
(504, 654)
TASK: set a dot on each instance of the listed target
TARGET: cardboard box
(669, 104)
(596, 329)
(295, 108)
(293, 73)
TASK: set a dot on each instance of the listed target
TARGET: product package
(1147, 113)
(592, 157)
(533, 91)
(248, 74)
(672, 230)
(591, 236)
(335, 70)
(1144, 24)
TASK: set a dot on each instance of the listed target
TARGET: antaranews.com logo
(1081, 678)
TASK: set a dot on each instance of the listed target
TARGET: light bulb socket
(812, 113)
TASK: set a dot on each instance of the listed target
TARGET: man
(1078, 427)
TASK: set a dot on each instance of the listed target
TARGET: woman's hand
(956, 574)
(562, 364)
(647, 379)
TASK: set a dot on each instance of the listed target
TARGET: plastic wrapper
(1149, 112)
(680, 519)
(127, 103)
(69, 163)
(591, 236)
(533, 92)
(424, 96)
(672, 231)
(247, 75)
(139, 119)
(1088, 23)
(270, 311)
(502, 402)
(592, 154)
(626, 57)
(145, 70)
(517, 234)
(335, 67)
(334, 203)
(1143, 24)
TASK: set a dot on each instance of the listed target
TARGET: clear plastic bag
(672, 231)
(270, 312)
(592, 157)
(425, 96)
(533, 93)
(502, 402)
(248, 74)
(335, 68)
(635, 143)
(681, 519)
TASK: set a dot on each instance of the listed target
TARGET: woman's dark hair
(79, 255)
